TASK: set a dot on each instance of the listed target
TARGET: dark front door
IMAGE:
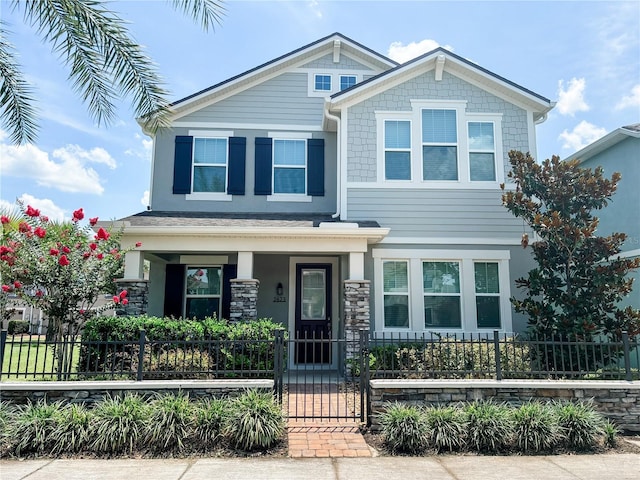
(313, 313)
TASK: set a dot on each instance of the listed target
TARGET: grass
(29, 358)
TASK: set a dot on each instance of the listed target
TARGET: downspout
(338, 161)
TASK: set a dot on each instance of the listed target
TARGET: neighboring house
(619, 151)
(333, 189)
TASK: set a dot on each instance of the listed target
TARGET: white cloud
(145, 199)
(582, 135)
(632, 100)
(46, 206)
(572, 100)
(314, 6)
(403, 53)
(143, 151)
(66, 169)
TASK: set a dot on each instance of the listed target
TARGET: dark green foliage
(404, 428)
(535, 427)
(447, 426)
(489, 426)
(256, 421)
(119, 424)
(579, 278)
(17, 327)
(581, 426)
(170, 423)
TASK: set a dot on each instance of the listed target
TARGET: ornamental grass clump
(404, 428)
(209, 420)
(170, 422)
(31, 430)
(447, 427)
(256, 421)
(71, 431)
(580, 425)
(489, 426)
(610, 434)
(119, 424)
(535, 427)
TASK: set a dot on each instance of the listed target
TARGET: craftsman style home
(333, 189)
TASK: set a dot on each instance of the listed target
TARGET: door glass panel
(314, 299)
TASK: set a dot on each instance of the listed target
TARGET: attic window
(323, 83)
(347, 81)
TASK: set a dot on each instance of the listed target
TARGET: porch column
(244, 290)
(356, 303)
(135, 284)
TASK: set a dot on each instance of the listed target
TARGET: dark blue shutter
(237, 160)
(263, 166)
(182, 164)
(315, 167)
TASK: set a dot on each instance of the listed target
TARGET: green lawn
(32, 359)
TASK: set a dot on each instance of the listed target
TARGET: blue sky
(584, 55)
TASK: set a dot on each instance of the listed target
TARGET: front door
(313, 313)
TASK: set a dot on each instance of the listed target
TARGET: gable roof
(608, 141)
(443, 59)
(295, 57)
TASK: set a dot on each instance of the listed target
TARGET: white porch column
(356, 266)
(245, 265)
(134, 265)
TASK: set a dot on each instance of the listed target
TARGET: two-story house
(333, 189)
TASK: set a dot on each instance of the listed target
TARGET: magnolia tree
(60, 268)
(580, 276)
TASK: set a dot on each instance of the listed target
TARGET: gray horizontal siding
(344, 63)
(435, 213)
(280, 100)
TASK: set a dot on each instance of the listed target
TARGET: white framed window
(203, 291)
(439, 144)
(210, 162)
(322, 82)
(347, 81)
(397, 150)
(482, 151)
(420, 290)
(487, 286)
(442, 295)
(289, 166)
(396, 293)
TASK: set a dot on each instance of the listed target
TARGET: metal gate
(323, 379)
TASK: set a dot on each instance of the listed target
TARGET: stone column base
(356, 313)
(137, 294)
(244, 299)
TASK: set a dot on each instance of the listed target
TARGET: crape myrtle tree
(61, 268)
(574, 290)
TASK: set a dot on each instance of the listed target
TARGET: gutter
(338, 161)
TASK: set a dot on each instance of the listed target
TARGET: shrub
(447, 427)
(535, 427)
(209, 421)
(404, 428)
(31, 430)
(256, 421)
(17, 327)
(610, 431)
(7, 415)
(489, 426)
(170, 422)
(119, 424)
(71, 430)
(580, 425)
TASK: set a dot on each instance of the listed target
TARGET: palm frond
(16, 103)
(207, 12)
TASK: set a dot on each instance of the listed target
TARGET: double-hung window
(322, 83)
(439, 144)
(203, 292)
(397, 150)
(487, 286)
(210, 161)
(482, 162)
(289, 166)
(347, 81)
(441, 287)
(396, 293)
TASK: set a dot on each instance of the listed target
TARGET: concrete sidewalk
(445, 467)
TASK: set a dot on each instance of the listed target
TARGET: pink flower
(78, 215)
(44, 218)
(39, 293)
(66, 249)
(100, 256)
(116, 299)
(138, 244)
(81, 311)
(93, 246)
(4, 249)
(40, 232)
(86, 254)
(32, 212)
(17, 284)
(125, 301)
(4, 219)
(93, 221)
(102, 234)
(24, 227)
(123, 294)
(6, 288)
(63, 261)
(54, 251)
